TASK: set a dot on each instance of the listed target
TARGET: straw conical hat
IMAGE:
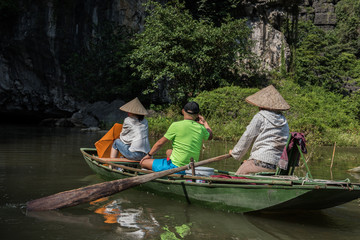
(268, 98)
(135, 107)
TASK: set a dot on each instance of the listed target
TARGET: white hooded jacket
(135, 133)
(268, 132)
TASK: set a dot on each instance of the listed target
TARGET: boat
(264, 192)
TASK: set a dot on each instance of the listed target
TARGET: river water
(38, 161)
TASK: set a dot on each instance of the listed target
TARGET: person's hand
(201, 120)
(144, 158)
(230, 151)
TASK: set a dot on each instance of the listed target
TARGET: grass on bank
(323, 117)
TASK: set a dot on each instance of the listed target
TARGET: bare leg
(114, 153)
(147, 163)
(168, 153)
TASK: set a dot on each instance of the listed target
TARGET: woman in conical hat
(133, 142)
(268, 131)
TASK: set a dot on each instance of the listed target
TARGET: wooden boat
(247, 193)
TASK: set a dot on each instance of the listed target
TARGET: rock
(269, 43)
(41, 36)
(91, 129)
(48, 122)
(64, 122)
(98, 114)
(39, 39)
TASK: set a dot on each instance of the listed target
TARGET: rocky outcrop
(270, 44)
(39, 36)
(39, 40)
(267, 16)
(320, 12)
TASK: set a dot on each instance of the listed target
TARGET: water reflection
(36, 162)
(61, 217)
(160, 218)
(134, 223)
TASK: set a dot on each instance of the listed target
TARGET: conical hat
(135, 107)
(268, 98)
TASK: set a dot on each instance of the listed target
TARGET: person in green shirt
(186, 136)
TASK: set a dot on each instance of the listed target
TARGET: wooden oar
(118, 160)
(96, 191)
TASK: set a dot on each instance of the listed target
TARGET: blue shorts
(164, 164)
(124, 150)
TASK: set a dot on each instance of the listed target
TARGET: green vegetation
(330, 59)
(321, 60)
(200, 50)
(348, 25)
(324, 117)
(188, 56)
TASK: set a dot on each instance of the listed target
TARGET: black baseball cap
(192, 108)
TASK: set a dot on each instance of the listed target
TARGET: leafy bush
(330, 59)
(188, 55)
(348, 25)
(226, 103)
(324, 117)
(226, 110)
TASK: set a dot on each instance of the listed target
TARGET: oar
(96, 191)
(117, 160)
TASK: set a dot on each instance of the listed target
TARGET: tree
(188, 55)
(322, 60)
(348, 25)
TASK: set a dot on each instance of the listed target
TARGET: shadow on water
(333, 223)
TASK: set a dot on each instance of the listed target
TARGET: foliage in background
(161, 117)
(323, 116)
(191, 54)
(331, 59)
(215, 11)
(188, 55)
(100, 71)
(226, 110)
(322, 61)
(348, 25)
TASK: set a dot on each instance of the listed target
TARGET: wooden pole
(192, 168)
(96, 191)
(332, 161)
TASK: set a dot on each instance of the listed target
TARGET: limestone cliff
(37, 37)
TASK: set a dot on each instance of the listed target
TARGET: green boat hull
(259, 195)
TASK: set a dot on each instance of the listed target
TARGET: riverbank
(324, 117)
(232, 131)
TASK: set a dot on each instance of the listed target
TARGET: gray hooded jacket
(268, 132)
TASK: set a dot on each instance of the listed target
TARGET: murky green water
(36, 162)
